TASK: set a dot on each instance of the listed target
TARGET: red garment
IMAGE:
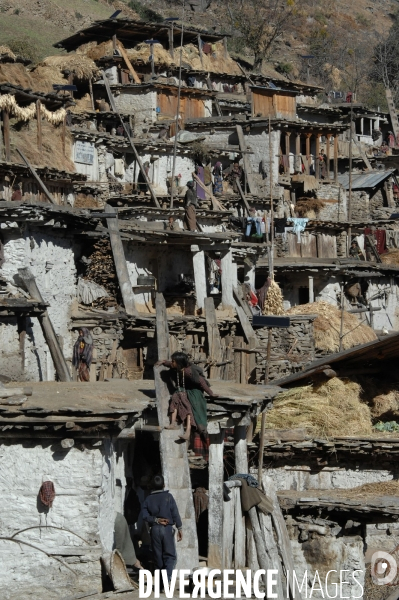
(17, 195)
(47, 493)
(380, 237)
(200, 445)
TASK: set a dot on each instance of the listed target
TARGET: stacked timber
(101, 270)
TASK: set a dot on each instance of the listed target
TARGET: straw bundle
(327, 327)
(142, 52)
(307, 207)
(274, 300)
(8, 102)
(80, 65)
(6, 50)
(56, 117)
(96, 51)
(391, 257)
(17, 74)
(330, 409)
(381, 488)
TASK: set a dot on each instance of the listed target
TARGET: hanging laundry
(280, 224)
(299, 226)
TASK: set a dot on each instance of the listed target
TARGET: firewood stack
(101, 270)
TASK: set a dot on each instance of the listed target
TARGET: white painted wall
(51, 259)
(140, 103)
(84, 482)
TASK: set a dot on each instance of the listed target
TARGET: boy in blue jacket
(161, 513)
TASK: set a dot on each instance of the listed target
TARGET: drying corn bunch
(56, 117)
(8, 102)
(274, 300)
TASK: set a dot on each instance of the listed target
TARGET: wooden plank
(326, 246)
(60, 363)
(263, 558)
(36, 176)
(247, 164)
(216, 205)
(162, 328)
(272, 550)
(249, 333)
(228, 531)
(215, 510)
(39, 124)
(237, 343)
(6, 134)
(283, 539)
(308, 245)
(239, 298)
(112, 359)
(128, 63)
(118, 254)
(9, 392)
(243, 198)
(294, 247)
(239, 531)
(214, 342)
(136, 154)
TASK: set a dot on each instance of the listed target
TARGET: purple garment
(200, 174)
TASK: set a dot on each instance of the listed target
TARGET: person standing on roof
(191, 203)
(161, 513)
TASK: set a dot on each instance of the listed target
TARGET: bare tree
(261, 23)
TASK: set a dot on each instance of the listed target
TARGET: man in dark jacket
(191, 202)
(161, 513)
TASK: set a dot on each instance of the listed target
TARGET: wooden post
(287, 150)
(214, 343)
(162, 328)
(36, 176)
(120, 262)
(317, 153)
(6, 134)
(263, 558)
(239, 532)
(39, 125)
(228, 530)
(240, 449)
(215, 510)
(129, 65)
(63, 135)
(61, 366)
(298, 149)
(200, 49)
(328, 136)
(171, 41)
(263, 422)
(114, 43)
(93, 106)
(199, 276)
(336, 157)
(272, 550)
(247, 164)
(307, 170)
(226, 52)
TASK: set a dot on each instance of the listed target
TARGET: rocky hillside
(338, 34)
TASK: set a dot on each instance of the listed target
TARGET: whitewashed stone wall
(161, 169)
(51, 259)
(335, 208)
(84, 481)
(142, 104)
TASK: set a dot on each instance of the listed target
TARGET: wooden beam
(118, 254)
(36, 176)
(328, 136)
(39, 124)
(287, 151)
(243, 198)
(215, 510)
(6, 134)
(136, 154)
(316, 159)
(63, 135)
(214, 342)
(162, 328)
(171, 41)
(307, 166)
(247, 165)
(336, 157)
(128, 63)
(60, 363)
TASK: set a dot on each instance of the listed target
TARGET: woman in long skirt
(188, 403)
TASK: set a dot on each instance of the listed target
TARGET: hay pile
(329, 409)
(41, 79)
(25, 137)
(327, 327)
(382, 488)
(96, 51)
(274, 300)
(142, 52)
(391, 257)
(80, 65)
(7, 51)
(309, 207)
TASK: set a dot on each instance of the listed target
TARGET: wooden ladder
(393, 113)
(174, 457)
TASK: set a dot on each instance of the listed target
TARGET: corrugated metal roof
(360, 181)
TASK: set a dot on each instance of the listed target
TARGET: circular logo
(383, 568)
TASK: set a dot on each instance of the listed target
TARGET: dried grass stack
(327, 327)
(80, 65)
(5, 50)
(391, 257)
(330, 409)
(274, 300)
(309, 207)
(101, 270)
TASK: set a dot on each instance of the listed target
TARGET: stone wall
(335, 208)
(292, 348)
(85, 480)
(51, 258)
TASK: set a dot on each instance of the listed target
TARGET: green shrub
(25, 47)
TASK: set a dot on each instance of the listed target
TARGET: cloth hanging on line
(299, 226)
